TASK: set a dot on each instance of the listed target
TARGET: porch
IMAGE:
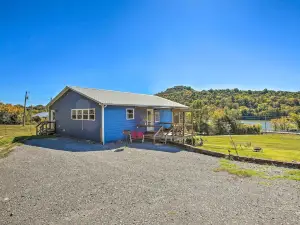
(178, 128)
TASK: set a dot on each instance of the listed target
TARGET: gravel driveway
(92, 184)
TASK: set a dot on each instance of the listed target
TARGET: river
(264, 124)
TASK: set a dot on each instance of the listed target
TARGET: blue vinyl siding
(84, 129)
(115, 122)
(166, 117)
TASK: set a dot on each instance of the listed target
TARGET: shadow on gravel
(155, 147)
(75, 145)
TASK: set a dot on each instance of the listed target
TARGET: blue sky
(147, 46)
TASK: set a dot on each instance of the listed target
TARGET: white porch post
(102, 123)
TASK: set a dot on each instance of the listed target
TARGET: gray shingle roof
(108, 97)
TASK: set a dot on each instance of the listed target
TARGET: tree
(295, 118)
(200, 116)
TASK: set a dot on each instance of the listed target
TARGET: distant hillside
(249, 103)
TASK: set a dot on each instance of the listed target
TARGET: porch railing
(45, 128)
(177, 131)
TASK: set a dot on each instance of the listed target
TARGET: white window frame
(72, 114)
(156, 114)
(128, 113)
(92, 114)
(88, 109)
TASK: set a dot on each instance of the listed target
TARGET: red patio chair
(134, 135)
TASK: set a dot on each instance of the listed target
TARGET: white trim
(51, 114)
(156, 111)
(152, 122)
(67, 88)
(102, 123)
(132, 114)
(85, 114)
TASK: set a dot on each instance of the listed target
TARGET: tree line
(255, 104)
(13, 114)
(219, 111)
(217, 121)
(287, 123)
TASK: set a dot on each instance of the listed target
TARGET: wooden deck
(45, 128)
(164, 135)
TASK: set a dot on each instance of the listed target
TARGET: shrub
(193, 140)
(248, 128)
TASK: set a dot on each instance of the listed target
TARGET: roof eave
(142, 105)
(67, 88)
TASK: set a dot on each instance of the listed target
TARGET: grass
(228, 166)
(12, 135)
(280, 147)
(231, 168)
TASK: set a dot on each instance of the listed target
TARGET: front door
(52, 118)
(52, 115)
(150, 119)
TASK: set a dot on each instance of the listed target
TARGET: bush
(193, 140)
(248, 128)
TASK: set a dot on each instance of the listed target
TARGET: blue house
(103, 115)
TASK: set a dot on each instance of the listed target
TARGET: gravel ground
(141, 184)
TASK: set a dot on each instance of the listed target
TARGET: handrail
(159, 130)
(42, 126)
(166, 136)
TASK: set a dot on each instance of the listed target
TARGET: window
(91, 114)
(157, 116)
(129, 114)
(52, 115)
(73, 114)
(79, 114)
(83, 114)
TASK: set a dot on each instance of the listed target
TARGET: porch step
(49, 132)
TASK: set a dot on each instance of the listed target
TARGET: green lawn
(11, 135)
(232, 168)
(275, 146)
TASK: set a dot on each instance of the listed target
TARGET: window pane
(85, 114)
(157, 116)
(129, 114)
(73, 114)
(79, 114)
(92, 111)
(92, 117)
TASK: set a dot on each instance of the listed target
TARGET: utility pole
(24, 113)
(31, 114)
